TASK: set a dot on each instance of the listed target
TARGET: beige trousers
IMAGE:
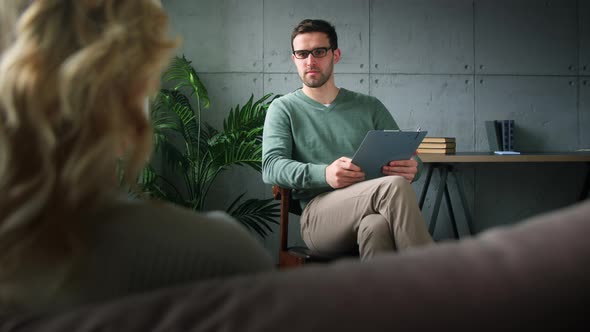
(379, 215)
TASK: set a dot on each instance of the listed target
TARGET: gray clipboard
(382, 146)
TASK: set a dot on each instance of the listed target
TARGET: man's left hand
(406, 168)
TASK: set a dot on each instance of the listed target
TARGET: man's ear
(337, 55)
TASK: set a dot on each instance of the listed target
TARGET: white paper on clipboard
(379, 147)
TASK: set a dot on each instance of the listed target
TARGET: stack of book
(437, 145)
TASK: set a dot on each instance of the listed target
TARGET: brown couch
(535, 274)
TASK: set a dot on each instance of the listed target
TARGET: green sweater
(302, 137)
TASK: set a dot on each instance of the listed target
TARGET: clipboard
(379, 147)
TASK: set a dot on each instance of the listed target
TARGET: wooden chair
(296, 255)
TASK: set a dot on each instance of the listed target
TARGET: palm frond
(240, 143)
(149, 182)
(147, 176)
(182, 72)
(173, 156)
(194, 153)
(236, 150)
(249, 116)
(256, 214)
(171, 103)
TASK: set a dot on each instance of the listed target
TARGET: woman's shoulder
(154, 227)
(148, 214)
(145, 210)
(132, 246)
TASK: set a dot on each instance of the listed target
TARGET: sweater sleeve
(383, 118)
(278, 167)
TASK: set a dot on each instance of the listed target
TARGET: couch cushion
(533, 274)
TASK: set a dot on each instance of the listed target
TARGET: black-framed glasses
(319, 52)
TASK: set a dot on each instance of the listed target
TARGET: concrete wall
(446, 66)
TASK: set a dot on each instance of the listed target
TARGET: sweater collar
(341, 95)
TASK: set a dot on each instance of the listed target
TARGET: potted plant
(192, 153)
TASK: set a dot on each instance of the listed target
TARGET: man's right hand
(342, 173)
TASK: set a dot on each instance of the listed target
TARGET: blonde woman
(74, 75)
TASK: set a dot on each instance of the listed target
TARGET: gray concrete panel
(584, 31)
(426, 36)
(226, 91)
(285, 83)
(281, 83)
(441, 104)
(544, 110)
(353, 82)
(220, 35)
(350, 17)
(522, 36)
(584, 123)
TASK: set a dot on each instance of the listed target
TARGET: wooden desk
(444, 163)
(490, 157)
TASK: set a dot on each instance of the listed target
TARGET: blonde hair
(72, 86)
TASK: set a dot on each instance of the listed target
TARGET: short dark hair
(309, 25)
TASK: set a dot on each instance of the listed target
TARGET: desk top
(490, 157)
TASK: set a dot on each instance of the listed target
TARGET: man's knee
(374, 236)
(395, 181)
(373, 225)
(396, 185)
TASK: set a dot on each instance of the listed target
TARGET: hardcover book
(447, 145)
(500, 135)
(433, 139)
(440, 150)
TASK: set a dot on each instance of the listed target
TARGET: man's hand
(405, 168)
(342, 173)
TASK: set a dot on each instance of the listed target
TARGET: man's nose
(311, 59)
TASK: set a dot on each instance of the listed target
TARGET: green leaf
(184, 75)
(256, 214)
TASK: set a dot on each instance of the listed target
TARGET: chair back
(287, 205)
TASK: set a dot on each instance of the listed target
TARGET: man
(308, 137)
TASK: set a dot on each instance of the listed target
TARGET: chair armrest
(278, 192)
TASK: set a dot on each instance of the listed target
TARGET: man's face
(315, 72)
